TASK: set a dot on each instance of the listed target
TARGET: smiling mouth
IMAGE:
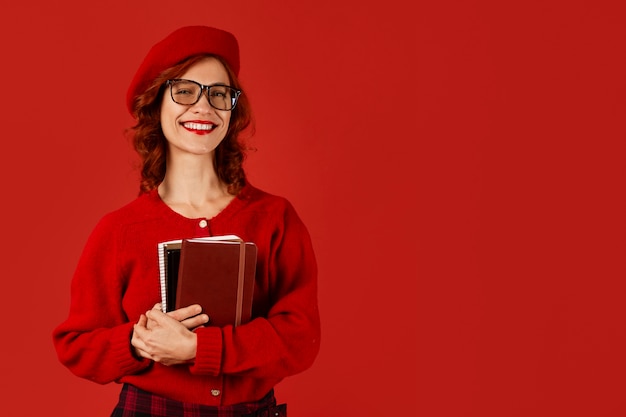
(202, 127)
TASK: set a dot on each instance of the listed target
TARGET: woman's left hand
(164, 339)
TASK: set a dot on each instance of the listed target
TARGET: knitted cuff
(208, 352)
(123, 353)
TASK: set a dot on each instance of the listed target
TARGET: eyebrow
(205, 85)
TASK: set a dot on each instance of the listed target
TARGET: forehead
(209, 70)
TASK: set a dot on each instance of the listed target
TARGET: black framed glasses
(188, 92)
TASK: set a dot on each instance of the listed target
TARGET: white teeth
(198, 126)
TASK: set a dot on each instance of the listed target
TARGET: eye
(185, 89)
(182, 91)
(220, 92)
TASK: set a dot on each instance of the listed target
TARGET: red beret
(176, 47)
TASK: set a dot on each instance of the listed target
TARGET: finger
(195, 322)
(149, 324)
(143, 321)
(156, 316)
(142, 353)
(139, 332)
(137, 340)
(186, 312)
(138, 344)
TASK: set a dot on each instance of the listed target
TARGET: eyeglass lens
(188, 92)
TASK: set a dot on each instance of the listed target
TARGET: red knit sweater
(117, 279)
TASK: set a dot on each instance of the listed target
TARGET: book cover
(215, 272)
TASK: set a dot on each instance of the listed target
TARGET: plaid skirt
(135, 402)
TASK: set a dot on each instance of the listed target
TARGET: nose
(203, 104)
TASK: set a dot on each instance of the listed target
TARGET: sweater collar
(240, 200)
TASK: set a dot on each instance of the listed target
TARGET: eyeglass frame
(203, 87)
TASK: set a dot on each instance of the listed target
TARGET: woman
(190, 113)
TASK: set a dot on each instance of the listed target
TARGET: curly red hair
(151, 145)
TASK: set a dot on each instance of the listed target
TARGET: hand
(164, 338)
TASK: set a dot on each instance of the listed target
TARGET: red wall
(460, 166)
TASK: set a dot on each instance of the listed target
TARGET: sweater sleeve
(94, 341)
(287, 340)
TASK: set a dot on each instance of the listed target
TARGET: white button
(215, 392)
(203, 223)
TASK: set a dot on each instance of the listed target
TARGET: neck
(191, 181)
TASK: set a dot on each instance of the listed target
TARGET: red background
(459, 164)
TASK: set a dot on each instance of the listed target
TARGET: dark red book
(215, 272)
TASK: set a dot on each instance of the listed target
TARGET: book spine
(240, 282)
(162, 269)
